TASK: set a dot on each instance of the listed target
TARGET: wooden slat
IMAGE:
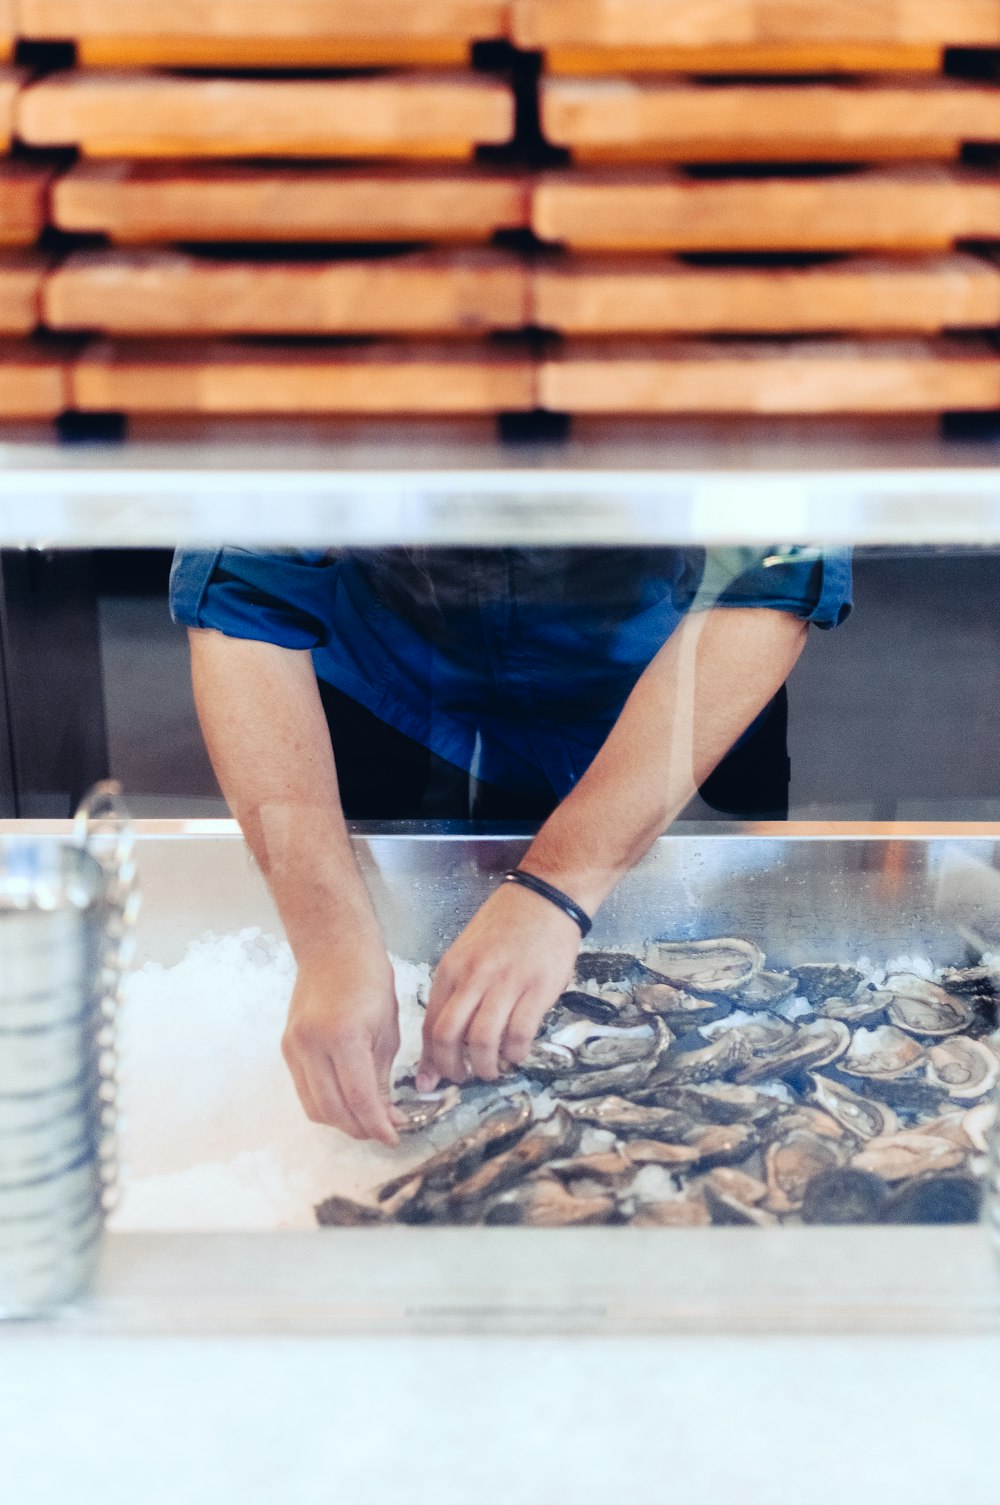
(22, 274)
(675, 120)
(633, 295)
(706, 23)
(134, 114)
(168, 292)
(8, 30)
(234, 378)
(919, 208)
(749, 57)
(11, 82)
(136, 202)
(33, 381)
(783, 376)
(24, 192)
(267, 52)
(243, 19)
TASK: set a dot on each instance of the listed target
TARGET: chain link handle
(103, 812)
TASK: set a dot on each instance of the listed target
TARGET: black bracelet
(554, 895)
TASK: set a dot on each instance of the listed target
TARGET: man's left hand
(493, 986)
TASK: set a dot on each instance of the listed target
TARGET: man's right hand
(340, 1041)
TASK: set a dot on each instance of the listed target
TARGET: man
(595, 690)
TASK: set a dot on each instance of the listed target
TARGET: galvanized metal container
(66, 912)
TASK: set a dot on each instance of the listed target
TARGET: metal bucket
(66, 913)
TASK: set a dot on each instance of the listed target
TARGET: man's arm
(706, 685)
(266, 734)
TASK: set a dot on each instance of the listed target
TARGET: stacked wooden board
(767, 206)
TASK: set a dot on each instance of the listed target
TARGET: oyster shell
(965, 1069)
(341, 1212)
(681, 1010)
(814, 1044)
(922, 1008)
(611, 1166)
(725, 1055)
(557, 1135)
(861, 1116)
(688, 1210)
(885, 1053)
(863, 1007)
(977, 981)
(734, 1198)
(542, 1201)
(792, 1162)
(611, 969)
(718, 1144)
(978, 1123)
(819, 981)
(765, 989)
(895, 1157)
(420, 1109)
(763, 1031)
(546, 1061)
(624, 1117)
(579, 1005)
(719, 1102)
(844, 1196)
(722, 965)
(501, 1127)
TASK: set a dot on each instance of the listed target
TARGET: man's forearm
(266, 734)
(703, 689)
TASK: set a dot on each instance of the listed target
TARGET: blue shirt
(512, 663)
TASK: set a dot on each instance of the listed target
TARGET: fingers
(338, 1084)
(521, 1026)
(486, 1030)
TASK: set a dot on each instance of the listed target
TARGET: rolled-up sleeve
(285, 597)
(813, 584)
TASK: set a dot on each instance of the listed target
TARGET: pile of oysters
(695, 1086)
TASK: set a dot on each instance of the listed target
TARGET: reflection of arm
(703, 689)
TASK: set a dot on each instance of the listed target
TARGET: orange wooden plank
(917, 208)
(774, 377)
(248, 19)
(12, 80)
(704, 23)
(748, 58)
(169, 292)
(377, 378)
(161, 115)
(639, 295)
(675, 119)
(136, 202)
(271, 52)
(22, 274)
(33, 381)
(24, 189)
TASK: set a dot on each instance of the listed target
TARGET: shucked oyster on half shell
(723, 965)
(814, 1044)
(680, 1009)
(922, 1008)
(965, 1069)
(894, 1157)
(725, 1055)
(420, 1109)
(793, 1161)
(861, 1116)
(882, 1054)
(765, 989)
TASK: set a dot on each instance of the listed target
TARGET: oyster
(717, 1144)
(863, 1007)
(420, 1109)
(557, 1135)
(894, 1157)
(719, 1102)
(885, 1053)
(935, 1199)
(819, 981)
(727, 1054)
(723, 965)
(979, 982)
(542, 1201)
(844, 1196)
(978, 1122)
(681, 1010)
(687, 1210)
(611, 969)
(922, 1008)
(763, 1031)
(616, 1079)
(734, 1198)
(765, 989)
(602, 1010)
(624, 1117)
(791, 1164)
(965, 1069)
(546, 1061)
(860, 1116)
(501, 1127)
(608, 1059)
(341, 1212)
(611, 1166)
(813, 1044)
